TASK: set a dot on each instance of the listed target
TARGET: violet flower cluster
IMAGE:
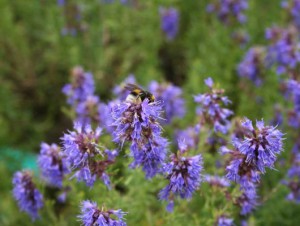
(293, 7)
(86, 156)
(183, 175)
(81, 97)
(52, 164)
(284, 52)
(29, 199)
(252, 65)
(210, 110)
(171, 98)
(169, 22)
(137, 123)
(252, 154)
(229, 11)
(91, 215)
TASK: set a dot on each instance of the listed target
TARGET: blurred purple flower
(169, 22)
(29, 199)
(171, 98)
(224, 221)
(216, 181)
(137, 124)
(210, 110)
(92, 215)
(241, 37)
(61, 2)
(277, 120)
(252, 65)
(52, 164)
(229, 11)
(294, 116)
(293, 6)
(284, 52)
(247, 202)
(82, 85)
(190, 135)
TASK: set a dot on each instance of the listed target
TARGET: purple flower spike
(171, 98)
(29, 199)
(137, 124)
(210, 110)
(52, 164)
(184, 176)
(169, 22)
(91, 215)
(261, 146)
(84, 154)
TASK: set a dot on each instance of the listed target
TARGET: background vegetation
(114, 40)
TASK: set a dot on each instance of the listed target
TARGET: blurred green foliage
(35, 60)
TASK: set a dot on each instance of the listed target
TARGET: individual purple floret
(82, 86)
(260, 145)
(29, 199)
(210, 110)
(171, 98)
(137, 123)
(216, 181)
(85, 156)
(224, 221)
(52, 164)
(229, 11)
(183, 174)
(293, 6)
(91, 215)
(252, 65)
(169, 22)
(284, 52)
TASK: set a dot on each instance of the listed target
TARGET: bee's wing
(130, 87)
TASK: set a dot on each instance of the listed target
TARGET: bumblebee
(137, 94)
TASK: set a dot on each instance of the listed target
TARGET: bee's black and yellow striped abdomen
(138, 95)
